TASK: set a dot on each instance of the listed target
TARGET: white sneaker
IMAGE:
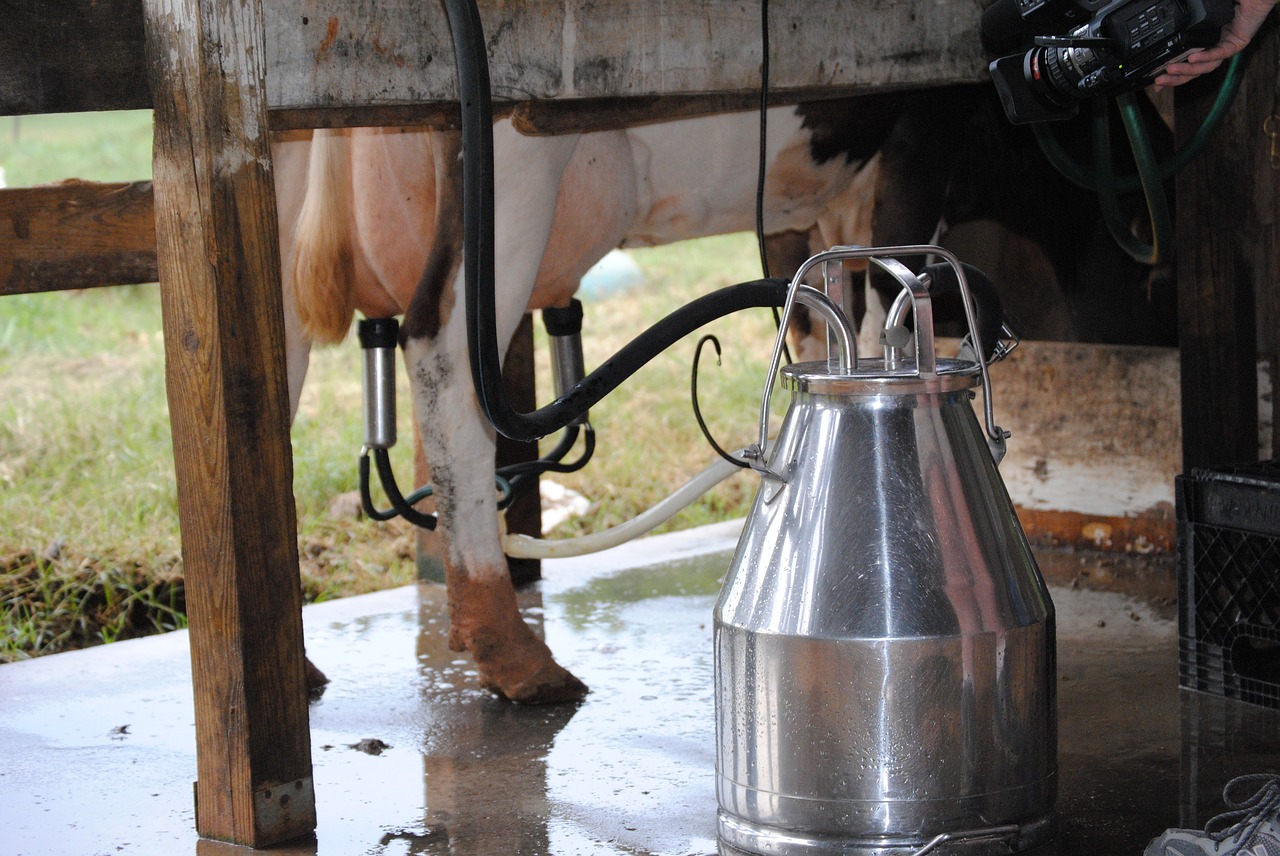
(1250, 828)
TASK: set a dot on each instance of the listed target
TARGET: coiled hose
(1151, 174)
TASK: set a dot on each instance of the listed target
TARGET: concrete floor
(97, 746)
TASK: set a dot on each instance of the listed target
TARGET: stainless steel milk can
(884, 642)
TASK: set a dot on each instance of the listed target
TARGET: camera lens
(1048, 77)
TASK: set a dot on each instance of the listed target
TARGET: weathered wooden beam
(387, 51)
(332, 62)
(76, 234)
(582, 115)
(1228, 256)
(228, 401)
(557, 116)
(72, 55)
(436, 115)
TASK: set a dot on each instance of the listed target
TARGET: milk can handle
(996, 436)
(997, 338)
(917, 293)
(798, 292)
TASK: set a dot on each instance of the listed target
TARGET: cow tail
(321, 274)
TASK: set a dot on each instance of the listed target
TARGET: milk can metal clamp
(915, 296)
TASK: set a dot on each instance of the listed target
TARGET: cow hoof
(552, 684)
(522, 669)
(316, 680)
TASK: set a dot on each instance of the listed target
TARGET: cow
(1040, 237)
(370, 222)
(378, 231)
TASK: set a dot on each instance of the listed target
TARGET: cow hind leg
(484, 618)
(458, 440)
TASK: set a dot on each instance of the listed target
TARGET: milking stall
(1011, 581)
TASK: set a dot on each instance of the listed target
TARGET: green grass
(92, 146)
(86, 470)
(89, 541)
(52, 605)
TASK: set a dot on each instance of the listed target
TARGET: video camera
(1088, 48)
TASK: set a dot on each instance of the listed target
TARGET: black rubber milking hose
(478, 252)
(988, 308)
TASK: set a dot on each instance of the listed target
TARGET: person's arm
(1249, 17)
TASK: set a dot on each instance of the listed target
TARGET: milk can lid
(872, 378)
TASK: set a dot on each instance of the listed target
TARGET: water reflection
(484, 759)
(1221, 739)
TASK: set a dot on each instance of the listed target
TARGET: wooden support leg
(1228, 246)
(228, 399)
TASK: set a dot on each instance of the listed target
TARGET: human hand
(1235, 36)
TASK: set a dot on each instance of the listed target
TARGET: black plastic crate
(1229, 582)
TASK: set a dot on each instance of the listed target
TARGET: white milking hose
(525, 547)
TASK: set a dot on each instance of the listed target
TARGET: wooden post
(218, 259)
(1227, 258)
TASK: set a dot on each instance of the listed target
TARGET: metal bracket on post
(285, 807)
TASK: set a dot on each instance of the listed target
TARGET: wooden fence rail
(77, 234)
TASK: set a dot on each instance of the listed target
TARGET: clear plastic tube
(525, 547)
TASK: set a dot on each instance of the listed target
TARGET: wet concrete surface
(97, 747)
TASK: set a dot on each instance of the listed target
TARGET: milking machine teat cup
(884, 642)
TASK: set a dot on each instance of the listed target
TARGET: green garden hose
(1148, 175)
(1151, 174)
